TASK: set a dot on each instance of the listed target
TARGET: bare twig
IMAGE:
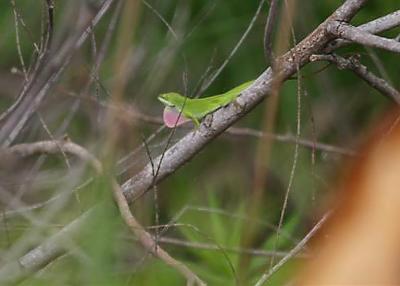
(288, 138)
(147, 240)
(353, 63)
(295, 251)
(18, 42)
(269, 29)
(376, 26)
(382, 24)
(294, 164)
(209, 246)
(357, 35)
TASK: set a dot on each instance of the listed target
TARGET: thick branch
(353, 64)
(348, 32)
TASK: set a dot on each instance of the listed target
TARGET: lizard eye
(164, 100)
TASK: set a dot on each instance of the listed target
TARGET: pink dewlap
(172, 117)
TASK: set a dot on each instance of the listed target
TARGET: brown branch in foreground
(356, 35)
(353, 63)
(147, 241)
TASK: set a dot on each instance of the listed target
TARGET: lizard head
(171, 99)
(172, 116)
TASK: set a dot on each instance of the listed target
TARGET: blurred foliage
(210, 192)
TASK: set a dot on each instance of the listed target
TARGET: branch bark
(376, 26)
(356, 35)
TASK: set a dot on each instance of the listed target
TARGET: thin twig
(294, 164)
(294, 252)
(235, 48)
(147, 241)
(269, 29)
(376, 26)
(353, 63)
(357, 35)
(18, 41)
(209, 246)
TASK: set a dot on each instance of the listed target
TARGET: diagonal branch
(194, 141)
(354, 34)
(296, 250)
(352, 63)
(148, 241)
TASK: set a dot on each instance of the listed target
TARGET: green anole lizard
(180, 109)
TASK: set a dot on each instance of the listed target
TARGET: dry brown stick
(147, 240)
(353, 63)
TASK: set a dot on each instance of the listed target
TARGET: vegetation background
(176, 46)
